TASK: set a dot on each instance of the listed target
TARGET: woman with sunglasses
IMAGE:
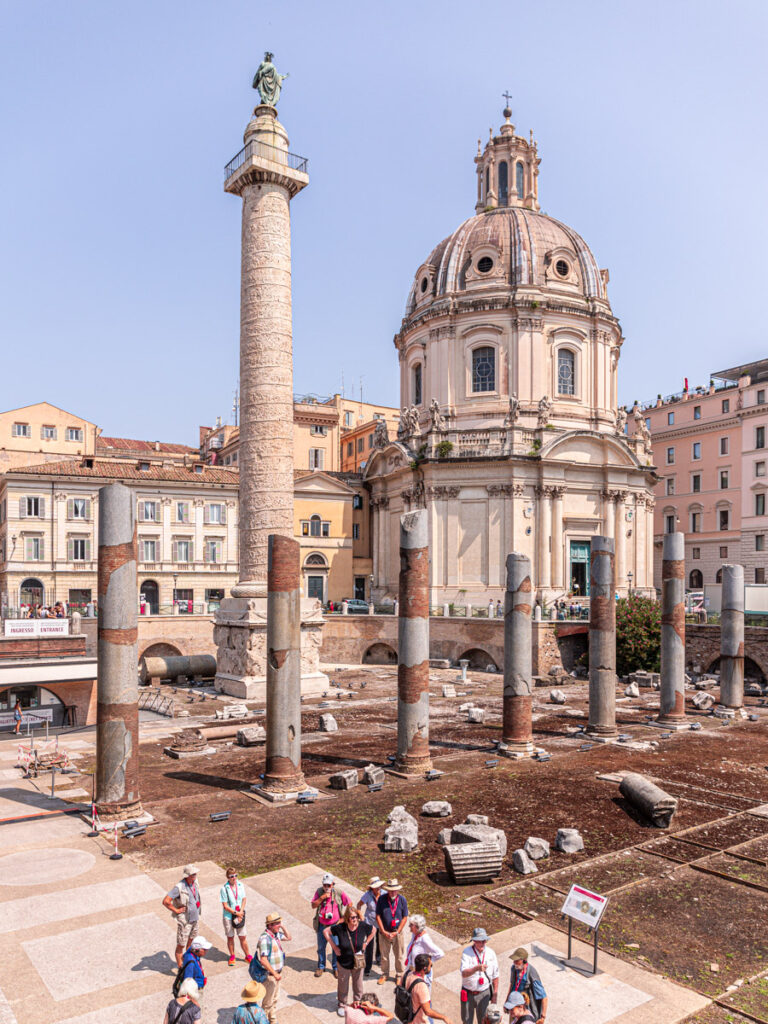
(232, 896)
(348, 940)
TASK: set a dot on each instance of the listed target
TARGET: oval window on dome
(424, 284)
(562, 267)
(485, 264)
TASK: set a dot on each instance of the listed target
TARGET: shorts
(230, 929)
(185, 931)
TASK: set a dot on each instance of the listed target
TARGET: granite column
(672, 703)
(732, 637)
(602, 639)
(517, 730)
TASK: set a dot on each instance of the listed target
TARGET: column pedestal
(240, 634)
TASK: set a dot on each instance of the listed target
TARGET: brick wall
(702, 648)
(42, 647)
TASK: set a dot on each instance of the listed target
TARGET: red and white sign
(36, 627)
(585, 906)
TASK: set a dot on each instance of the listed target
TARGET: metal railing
(263, 149)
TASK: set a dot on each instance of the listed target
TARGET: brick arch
(752, 668)
(159, 649)
(478, 659)
(379, 654)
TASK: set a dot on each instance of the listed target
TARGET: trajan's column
(266, 176)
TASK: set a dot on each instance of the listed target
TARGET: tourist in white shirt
(479, 978)
(421, 942)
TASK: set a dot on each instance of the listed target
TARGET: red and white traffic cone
(116, 855)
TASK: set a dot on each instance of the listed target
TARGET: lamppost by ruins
(629, 583)
(175, 591)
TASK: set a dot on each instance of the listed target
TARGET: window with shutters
(318, 429)
(215, 514)
(182, 550)
(360, 444)
(2, 511)
(670, 485)
(32, 508)
(315, 526)
(21, 430)
(214, 550)
(149, 550)
(317, 458)
(726, 405)
(79, 549)
(34, 549)
(696, 450)
(695, 552)
(350, 448)
(148, 511)
(348, 419)
(48, 433)
(370, 440)
(182, 511)
(723, 445)
(357, 501)
(78, 508)
(74, 434)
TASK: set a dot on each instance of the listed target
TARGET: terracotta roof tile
(114, 469)
(127, 444)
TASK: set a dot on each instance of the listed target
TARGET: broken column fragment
(652, 802)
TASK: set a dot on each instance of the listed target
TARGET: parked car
(357, 607)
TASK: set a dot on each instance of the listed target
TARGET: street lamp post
(629, 583)
(175, 581)
(370, 590)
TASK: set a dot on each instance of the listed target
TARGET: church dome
(505, 248)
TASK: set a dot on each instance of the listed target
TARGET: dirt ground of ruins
(689, 903)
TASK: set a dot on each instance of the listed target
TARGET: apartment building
(709, 447)
(42, 432)
(186, 526)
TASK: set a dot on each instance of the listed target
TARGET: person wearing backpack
(269, 962)
(250, 1011)
(525, 979)
(329, 904)
(413, 1003)
(183, 1008)
(191, 966)
(517, 1007)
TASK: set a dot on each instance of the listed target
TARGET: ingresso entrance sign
(36, 627)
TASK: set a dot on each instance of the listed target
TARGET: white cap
(199, 943)
(327, 879)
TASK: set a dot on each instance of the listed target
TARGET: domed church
(510, 433)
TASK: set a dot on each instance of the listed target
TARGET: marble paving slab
(257, 907)
(107, 955)
(28, 833)
(31, 911)
(47, 865)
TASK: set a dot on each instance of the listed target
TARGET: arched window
(417, 384)
(520, 180)
(316, 559)
(487, 182)
(566, 371)
(696, 580)
(503, 183)
(484, 369)
(719, 576)
(315, 526)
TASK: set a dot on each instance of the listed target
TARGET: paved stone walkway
(85, 940)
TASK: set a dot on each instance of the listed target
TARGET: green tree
(638, 634)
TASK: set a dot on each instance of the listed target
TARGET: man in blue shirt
(191, 961)
(392, 919)
(525, 980)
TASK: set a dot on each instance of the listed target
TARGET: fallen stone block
(328, 724)
(476, 715)
(651, 801)
(470, 863)
(373, 774)
(251, 736)
(703, 701)
(556, 697)
(479, 834)
(449, 690)
(633, 690)
(401, 837)
(476, 819)
(537, 849)
(522, 863)
(437, 809)
(466, 707)
(444, 837)
(753, 690)
(399, 813)
(568, 840)
(346, 779)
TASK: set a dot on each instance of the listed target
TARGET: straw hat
(253, 992)
(274, 918)
(393, 885)
(375, 882)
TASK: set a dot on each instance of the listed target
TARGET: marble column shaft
(732, 637)
(283, 770)
(672, 703)
(558, 580)
(602, 638)
(266, 380)
(544, 528)
(517, 729)
(117, 723)
(413, 645)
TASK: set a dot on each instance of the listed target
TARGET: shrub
(638, 634)
(444, 449)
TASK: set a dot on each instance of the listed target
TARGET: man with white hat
(367, 908)
(191, 964)
(268, 962)
(391, 920)
(479, 978)
(183, 901)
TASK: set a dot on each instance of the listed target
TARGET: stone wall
(12, 648)
(702, 649)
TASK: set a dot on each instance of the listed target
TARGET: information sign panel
(584, 906)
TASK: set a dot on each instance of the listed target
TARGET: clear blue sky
(119, 283)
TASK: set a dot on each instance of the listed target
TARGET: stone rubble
(632, 690)
(346, 779)
(437, 809)
(522, 863)
(251, 736)
(476, 819)
(536, 849)
(556, 697)
(568, 840)
(476, 715)
(328, 724)
(373, 774)
(479, 834)
(402, 836)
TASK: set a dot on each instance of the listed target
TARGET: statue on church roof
(545, 410)
(436, 417)
(621, 420)
(381, 434)
(268, 81)
(514, 411)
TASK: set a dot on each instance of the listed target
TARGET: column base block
(275, 796)
(516, 750)
(673, 725)
(601, 737)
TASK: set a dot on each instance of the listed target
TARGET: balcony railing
(267, 152)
